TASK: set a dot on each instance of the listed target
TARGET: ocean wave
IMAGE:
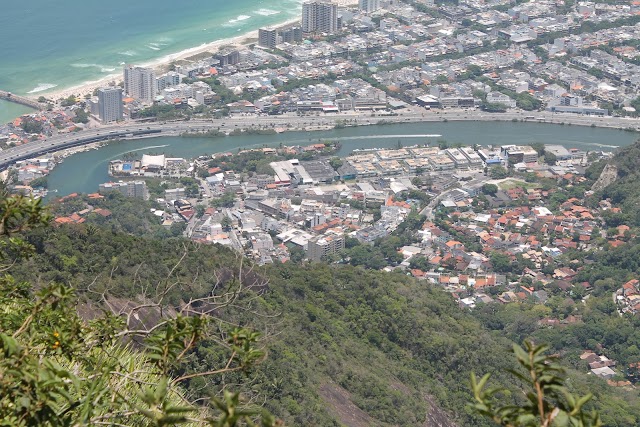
(266, 12)
(42, 87)
(153, 46)
(239, 18)
(103, 68)
(128, 53)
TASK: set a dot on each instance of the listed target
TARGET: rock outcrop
(608, 176)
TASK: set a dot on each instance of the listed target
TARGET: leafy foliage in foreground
(57, 369)
(548, 402)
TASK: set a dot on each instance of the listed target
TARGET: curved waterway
(83, 172)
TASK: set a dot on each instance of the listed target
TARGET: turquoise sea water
(9, 111)
(57, 44)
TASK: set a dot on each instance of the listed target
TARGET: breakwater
(22, 100)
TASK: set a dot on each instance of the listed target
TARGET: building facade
(319, 17)
(228, 57)
(369, 5)
(268, 37)
(169, 79)
(110, 104)
(140, 83)
(137, 189)
(291, 34)
(321, 246)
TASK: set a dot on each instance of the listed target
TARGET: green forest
(390, 347)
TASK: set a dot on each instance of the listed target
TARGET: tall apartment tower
(140, 83)
(291, 34)
(369, 5)
(110, 104)
(321, 246)
(319, 16)
(268, 37)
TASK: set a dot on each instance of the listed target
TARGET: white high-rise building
(319, 16)
(369, 5)
(169, 79)
(110, 104)
(140, 83)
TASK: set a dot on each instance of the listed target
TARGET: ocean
(49, 45)
(10, 110)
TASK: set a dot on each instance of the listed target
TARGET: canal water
(83, 172)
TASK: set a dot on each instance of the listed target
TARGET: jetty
(22, 100)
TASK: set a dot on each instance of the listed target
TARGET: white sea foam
(595, 144)
(128, 53)
(266, 12)
(390, 136)
(42, 87)
(153, 47)
(147, 148)
(103, 68)
(239, 18)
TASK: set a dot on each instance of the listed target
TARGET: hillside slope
(345, 346)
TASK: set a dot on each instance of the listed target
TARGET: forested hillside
(345, 346)
(624, 193)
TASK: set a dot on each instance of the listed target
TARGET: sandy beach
(88, 87)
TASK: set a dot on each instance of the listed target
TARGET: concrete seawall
(8, 96)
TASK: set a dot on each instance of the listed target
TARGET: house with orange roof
(419, 274)
(616, 243)
(454, 244)
(62, 220)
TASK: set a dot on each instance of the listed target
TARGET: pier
(22, 100)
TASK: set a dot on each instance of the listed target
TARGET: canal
(83, 172)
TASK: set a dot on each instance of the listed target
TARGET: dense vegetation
(128, 215)
(390, 343)
(117, 365)
(624, 193)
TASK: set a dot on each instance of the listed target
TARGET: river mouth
(83, 172)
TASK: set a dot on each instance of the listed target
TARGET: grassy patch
(513, 183)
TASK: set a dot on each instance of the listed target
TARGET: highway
(132, 130)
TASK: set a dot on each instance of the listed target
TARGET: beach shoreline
(89, 87)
